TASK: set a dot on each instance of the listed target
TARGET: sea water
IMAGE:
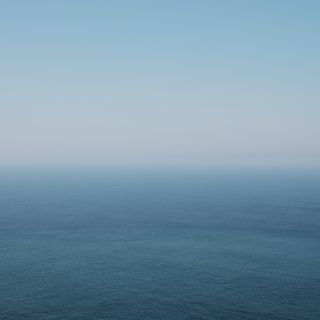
(87, 244)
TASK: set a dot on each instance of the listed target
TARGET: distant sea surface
(159, 244)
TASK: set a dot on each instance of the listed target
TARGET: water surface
(159, 244)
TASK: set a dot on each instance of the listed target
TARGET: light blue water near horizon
(160, 244)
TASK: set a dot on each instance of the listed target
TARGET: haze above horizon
(159, 82)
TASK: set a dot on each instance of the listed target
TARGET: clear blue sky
(159, 82)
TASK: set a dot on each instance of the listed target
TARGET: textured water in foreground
(160, 244)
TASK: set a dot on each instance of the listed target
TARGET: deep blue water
(159, 244)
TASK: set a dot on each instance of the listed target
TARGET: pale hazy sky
(166, 81)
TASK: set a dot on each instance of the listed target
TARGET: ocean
(87, 244)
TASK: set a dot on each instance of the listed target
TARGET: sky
(200, 82)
